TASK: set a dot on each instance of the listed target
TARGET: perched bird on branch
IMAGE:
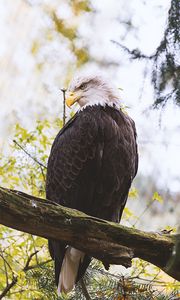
(91, 166)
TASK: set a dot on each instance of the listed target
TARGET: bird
(91, 166)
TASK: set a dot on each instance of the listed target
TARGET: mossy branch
(109, 242)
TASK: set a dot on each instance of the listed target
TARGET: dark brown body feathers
(92, 164)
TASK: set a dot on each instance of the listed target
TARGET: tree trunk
(109, 242)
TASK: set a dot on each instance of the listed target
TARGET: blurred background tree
(165, 60)
(42, 44)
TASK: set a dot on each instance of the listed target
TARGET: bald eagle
(91, 166)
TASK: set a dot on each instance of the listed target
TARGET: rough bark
(109, 242)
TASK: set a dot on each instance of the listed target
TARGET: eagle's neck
(100, 99)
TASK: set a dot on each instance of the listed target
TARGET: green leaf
(62, 27)
(133, 193)
(157, 197)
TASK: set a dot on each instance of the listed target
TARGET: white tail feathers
(69, 270)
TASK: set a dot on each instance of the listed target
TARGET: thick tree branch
(109, 242)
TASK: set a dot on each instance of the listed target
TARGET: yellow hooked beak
(71, 99)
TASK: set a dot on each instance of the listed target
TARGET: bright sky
(26, 93)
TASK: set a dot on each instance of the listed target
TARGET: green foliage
(157, 197)
(79, 6)
(70, 32)
(66, 31)
(42, 280)
(81, 54)
(25, 169)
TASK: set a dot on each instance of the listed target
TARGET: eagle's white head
(91, 90)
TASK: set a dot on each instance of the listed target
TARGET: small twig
(135, 53)
(14, 278)
(143, 212)
(5, 267)
(64, 105)
(38, 265)
(8, 287)
(29, 260)
(6, 263)
(84, 290)
(35, 250)
(32, 157)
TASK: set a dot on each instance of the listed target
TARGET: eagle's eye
(83, 86)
